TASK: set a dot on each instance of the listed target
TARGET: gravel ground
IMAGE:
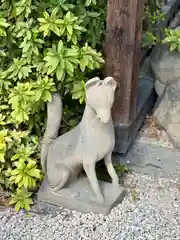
(151, 210)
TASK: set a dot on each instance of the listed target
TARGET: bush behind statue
(45, 46)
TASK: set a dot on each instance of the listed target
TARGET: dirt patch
(4, 199)
(152, 132)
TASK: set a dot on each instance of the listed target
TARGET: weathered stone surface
(165, 64)
(159, 87)
(79, 196)
(64, 157)
(167, 112)
(150, 157)
(176, 21)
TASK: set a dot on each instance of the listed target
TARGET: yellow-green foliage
(172, 38)
(45, 46)
(152, 16)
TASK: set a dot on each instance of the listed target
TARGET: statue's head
(100, 96)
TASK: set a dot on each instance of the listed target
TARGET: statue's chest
(103, 141)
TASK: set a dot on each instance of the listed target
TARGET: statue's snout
(103, 115)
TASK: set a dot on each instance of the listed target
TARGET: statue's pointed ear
(93, 82)
(111, 82)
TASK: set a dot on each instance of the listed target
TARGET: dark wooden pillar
(123, 51)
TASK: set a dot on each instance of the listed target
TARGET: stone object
(153, 158)
(166, 69)
(63, 158)
(165, 65)
(79, 196)
(176, 21)
(167, 113)
(159, 87)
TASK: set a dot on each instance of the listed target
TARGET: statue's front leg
(89, 168)
(111, 170)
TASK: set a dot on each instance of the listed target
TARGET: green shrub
(152, 15)
(45, 46)
(172, 39)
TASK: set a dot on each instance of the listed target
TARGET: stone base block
(80, 197)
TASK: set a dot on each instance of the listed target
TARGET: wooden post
(123, 51)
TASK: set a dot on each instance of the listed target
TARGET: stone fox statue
(93, 139)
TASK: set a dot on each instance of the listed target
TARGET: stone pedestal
(80, 197)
